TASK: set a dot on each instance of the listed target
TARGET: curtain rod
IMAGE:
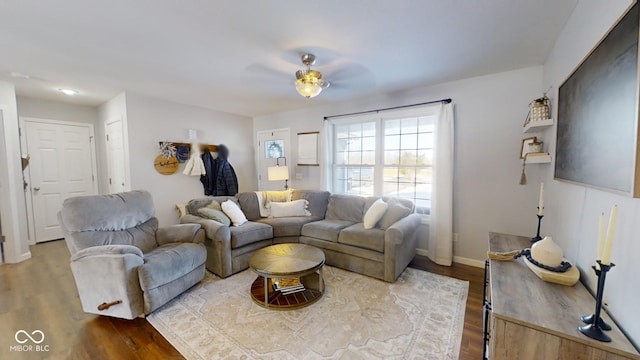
(444, 101)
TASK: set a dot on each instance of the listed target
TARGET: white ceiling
(240, 56)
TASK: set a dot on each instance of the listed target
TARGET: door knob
(36, 189)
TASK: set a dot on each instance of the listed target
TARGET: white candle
(611, 230)
(541, 199)
(601, 237)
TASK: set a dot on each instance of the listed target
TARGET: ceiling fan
(309, 83)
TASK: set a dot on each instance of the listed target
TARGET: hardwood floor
(40, 294)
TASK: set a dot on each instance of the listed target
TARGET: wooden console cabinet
(528, 318)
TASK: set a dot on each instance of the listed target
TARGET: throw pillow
(395, 212)
(232, 210)
(182, 210)
(286, 209)
(214, 214)
(375, 213)
(214, 205)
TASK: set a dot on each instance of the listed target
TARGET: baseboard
(468, 261)
(422, 252)
(456, 259)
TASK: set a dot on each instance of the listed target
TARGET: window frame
(379, 118)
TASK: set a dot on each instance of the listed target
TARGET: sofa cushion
(325, 229)
(357, 235)
(249, 204)
(345, 207)
(232, 210)
(249, 232)
(395, 212)
(289, 209)
(288, 226)
(318, 201)
(195, 204)
(170, 262)
(214, 214)
(374, 213)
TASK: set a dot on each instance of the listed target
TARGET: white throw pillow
(232, 210)
(375, 213)
(286, 209)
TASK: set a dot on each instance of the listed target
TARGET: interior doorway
(62, 164)
(116, 160)
(274, 146)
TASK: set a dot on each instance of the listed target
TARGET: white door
(61, 165)
(115, 156)
(273, 146)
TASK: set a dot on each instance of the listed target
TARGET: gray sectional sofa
(335, 225)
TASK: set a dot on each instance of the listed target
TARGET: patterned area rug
(420, 316)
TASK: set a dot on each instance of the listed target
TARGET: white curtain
(325, 159)
(441, 219)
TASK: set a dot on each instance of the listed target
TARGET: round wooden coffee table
(287, 263)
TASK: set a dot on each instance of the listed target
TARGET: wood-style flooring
(40, 294)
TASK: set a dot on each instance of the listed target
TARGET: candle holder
(594, 328)
(538, 237)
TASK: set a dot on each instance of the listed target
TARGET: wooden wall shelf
(537, 125)
(212, 148)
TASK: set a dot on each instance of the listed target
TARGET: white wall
(573, 210)
(489, 113)
(13, 210)
(152, 120)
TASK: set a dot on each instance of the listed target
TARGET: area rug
(420, 316)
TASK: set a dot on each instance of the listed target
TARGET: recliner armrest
(107, 250)
(177, 233)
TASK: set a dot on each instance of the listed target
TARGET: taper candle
(611, 230)
(601, 237)
(541, 199)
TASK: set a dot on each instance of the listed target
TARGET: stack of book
(288, 285)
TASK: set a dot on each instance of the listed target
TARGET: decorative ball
(547, 252)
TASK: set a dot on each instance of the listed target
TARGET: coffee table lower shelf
(278, 301)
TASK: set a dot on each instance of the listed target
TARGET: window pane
(369, 143)
(409, 125)
(341, 158)
(423, 175)
(425, 124)
(425, 157)
(390, 174)
(369, 129)
(341, 144)
(355, 130)
(392, 157)
(409, 141)
(392, 142)
(425, 141)
(342, 131)
(355, 144)
(368, 157)
(392, 127)
(408, 157)
(355, 158)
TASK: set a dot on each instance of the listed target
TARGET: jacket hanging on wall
(220, 179)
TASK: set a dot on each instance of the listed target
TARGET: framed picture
(524, 145)
(308, 149)
(273, 149)
(596, 143)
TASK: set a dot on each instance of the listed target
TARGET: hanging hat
(182, 153)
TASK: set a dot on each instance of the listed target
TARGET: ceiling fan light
(308, 89)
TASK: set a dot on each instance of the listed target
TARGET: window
(385, 154)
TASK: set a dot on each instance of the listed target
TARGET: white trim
(456, 259)
(422, 252)
(468, 261)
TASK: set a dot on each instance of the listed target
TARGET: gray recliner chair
(123, 264)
